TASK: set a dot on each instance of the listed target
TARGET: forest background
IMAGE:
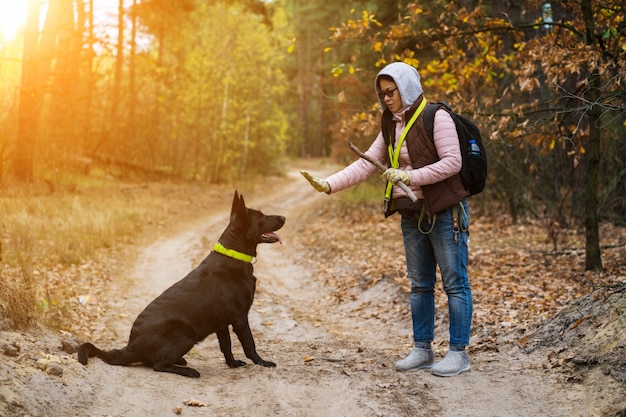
(219, 91)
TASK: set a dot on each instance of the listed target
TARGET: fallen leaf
(579, 322)
(194, 403)
(522, 342)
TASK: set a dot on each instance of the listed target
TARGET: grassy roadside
(54, 244)
(58, 244)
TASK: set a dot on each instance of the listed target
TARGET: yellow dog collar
(219, 248)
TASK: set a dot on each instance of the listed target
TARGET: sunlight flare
(12, 18)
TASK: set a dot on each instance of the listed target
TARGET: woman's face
(390, 95)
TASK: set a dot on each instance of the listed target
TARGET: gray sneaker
(418, 359)
(453, 364)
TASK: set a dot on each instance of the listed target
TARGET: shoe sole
(452, 373)
(429, 366)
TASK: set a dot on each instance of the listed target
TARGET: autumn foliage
(545, 86)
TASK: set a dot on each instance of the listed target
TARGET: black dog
(215, 295)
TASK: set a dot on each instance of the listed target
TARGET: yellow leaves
(436, 66)
(292, 46)
(378, 46)
(400, 31)
(491, 59)
(337, 70)
(442, 76)
(414, 11)
(352, 24)
(366, 18)
(357, 28)
(365, 21)
(412, 61)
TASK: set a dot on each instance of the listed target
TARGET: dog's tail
(112, 357)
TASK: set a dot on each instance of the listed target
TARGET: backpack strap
(429, 117)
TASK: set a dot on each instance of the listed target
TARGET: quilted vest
(422, 151)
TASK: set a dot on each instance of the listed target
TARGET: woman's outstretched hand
(320, 184)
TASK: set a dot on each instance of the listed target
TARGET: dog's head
(252, 225)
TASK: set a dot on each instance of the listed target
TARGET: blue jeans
(424, 251)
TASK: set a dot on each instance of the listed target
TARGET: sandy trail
(330, 361)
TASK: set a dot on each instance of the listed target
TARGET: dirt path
(331, 362)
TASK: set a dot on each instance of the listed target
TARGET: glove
(395, 175)
(320, 184)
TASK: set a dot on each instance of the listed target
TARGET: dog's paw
(180, 370)
(267, 364)
(188, 372)
(235, 363)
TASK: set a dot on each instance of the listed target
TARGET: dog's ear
(239, 213)
(235, 203)
(241, 207)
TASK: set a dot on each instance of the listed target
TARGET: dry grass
(46, 238)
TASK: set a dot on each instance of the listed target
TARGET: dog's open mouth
(271, 237)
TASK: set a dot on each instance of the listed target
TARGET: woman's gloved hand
(395, 175)
(320, 184)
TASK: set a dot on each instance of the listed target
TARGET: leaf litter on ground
(522, 284)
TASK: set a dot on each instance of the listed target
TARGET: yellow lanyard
(394, 155)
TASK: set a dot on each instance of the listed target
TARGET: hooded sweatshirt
(446, 141)
(407, 80)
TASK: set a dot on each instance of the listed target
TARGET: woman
(435, 228)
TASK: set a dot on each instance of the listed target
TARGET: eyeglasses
(389, 93)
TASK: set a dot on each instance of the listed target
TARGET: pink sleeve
(359, 170)
(448, 149)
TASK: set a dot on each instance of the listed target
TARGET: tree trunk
(119, 67)
(110, 124)
(85, 99)
(39, 53)
(593, 256)
(62, 117)
(30, 99)
(132, 69)
(303, 62)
